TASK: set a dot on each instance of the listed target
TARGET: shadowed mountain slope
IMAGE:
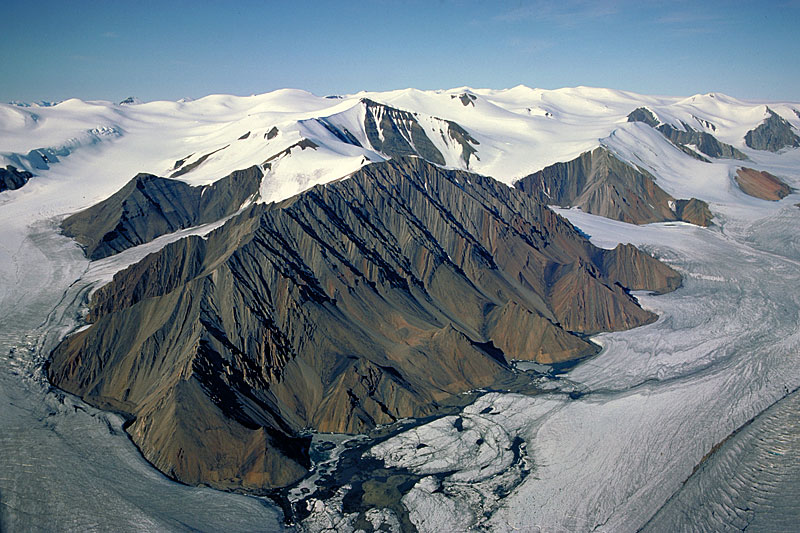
(774, 134)
(396, 132)
(150, 206)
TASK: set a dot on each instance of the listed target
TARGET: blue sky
(169, 50)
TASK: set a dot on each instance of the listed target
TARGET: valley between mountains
(513, 309)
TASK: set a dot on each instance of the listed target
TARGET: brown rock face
(638, 271)
(601, 184)
(352, 304)
(761, 184)
(693, 211)
(528, 336)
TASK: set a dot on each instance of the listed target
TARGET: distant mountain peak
(131, 100)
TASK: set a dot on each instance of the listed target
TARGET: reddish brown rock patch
(761, 184)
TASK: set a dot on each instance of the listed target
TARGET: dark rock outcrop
(774, 134)
(702, 141)
(601, 184)
(465, 98)
(642, 114)
(11, 178)
(179, 163)
(340, 132)
(396, 133)
(352, 304)
(302, 144)
(467, 142)
(761, 184)
(181, 170)
(705, 123)
(150, 206)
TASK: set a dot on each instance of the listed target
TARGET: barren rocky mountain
(601, 184)
(356, 303)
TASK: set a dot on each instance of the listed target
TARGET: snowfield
(687, 423)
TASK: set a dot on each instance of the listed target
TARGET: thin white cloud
(566, 13)
(689, 17)
(529, 45)
(693, 23)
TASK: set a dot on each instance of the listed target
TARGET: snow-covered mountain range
(506, 134)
